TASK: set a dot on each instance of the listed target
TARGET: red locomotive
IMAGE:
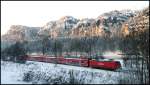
(82, 61)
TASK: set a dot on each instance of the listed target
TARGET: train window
(118, 62)
(90, 58)
(93, 59)
(71, 56)
(105, 59)
(111, 59)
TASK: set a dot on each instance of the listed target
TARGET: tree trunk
(142, 72)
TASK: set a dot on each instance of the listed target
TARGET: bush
(14, 53)
(28, 76)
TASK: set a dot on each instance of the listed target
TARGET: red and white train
(82, 61)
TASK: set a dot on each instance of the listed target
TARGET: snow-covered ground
(11, 73)
(41, 73)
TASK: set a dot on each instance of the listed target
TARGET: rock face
(137, 24)
(68, 26)
(106, 23)
(21, 33)
(86, 27)
(59, 28)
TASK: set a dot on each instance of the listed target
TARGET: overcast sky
(38, 13)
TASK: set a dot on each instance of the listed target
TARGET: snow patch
(112, 54)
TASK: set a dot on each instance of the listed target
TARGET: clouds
(37, 13)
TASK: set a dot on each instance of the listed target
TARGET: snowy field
(11, 73)
(48, 73)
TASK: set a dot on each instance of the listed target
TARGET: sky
(38, 13)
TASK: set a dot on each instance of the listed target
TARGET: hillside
(138, 23)
(106, 31)
(135, 31)
(69, 26)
